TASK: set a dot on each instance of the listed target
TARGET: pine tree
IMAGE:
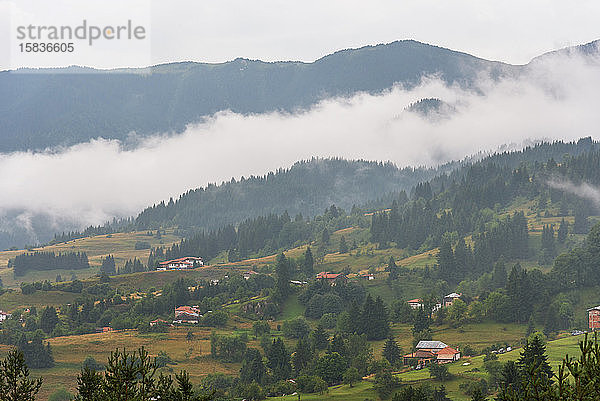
(282, 277)
(308, 263)
(325, 237)
(301, 356)
(581, 225)
(279, 360)
(253, 368)
(14, 379)
(343, 245)
(533, 359)
(563, 231)
(319, 337)
(499, 274)
(393, 269)
(392, 352)
(108, 265)
(445, 261)
(49, 319)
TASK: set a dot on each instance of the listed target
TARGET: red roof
(448, 351)
(187, 309)
(416, 300)
(328, 276)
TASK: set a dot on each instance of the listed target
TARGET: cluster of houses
(428, 352)
(448, 300)
(188, 262)
(187, 314)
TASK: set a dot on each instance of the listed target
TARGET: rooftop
(431, 345)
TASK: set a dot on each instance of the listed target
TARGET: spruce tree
(563, 231)
(14, 379)
(278, 360)
(308, 262)
(343, 245)
(49, 319)
(533, 359)
(253, 368)
(392, 352)
(319, 337)
(282, 277)
(301, 356)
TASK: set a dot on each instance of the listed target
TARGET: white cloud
(91, 182)
(582, 190)
(513, 31)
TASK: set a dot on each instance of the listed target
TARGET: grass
(120, 245)
(70, 351)
(13, 299)
(556, 351)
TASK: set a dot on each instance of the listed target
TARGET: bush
(439, 372)
(91, 363)
(227, 348)
(163, 359)
(296, 328)
(61, 394)
(215, 319)
(472, 387)
(311, 384)
(329, 320)
(261, 328)
(139, 245)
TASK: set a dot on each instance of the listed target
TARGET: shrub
(90, 363)
(296, 328)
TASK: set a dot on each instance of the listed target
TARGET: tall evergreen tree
(499, 274)
(253, 368)
(563, 231)
(108, 265)
(282, 277)
(49, 319)
(14, 379)
(278, 360)
(301, 356)
(343, 245)
(392, 352)
(308, 262)
(533, 359)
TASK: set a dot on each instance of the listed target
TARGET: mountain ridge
(57, 107)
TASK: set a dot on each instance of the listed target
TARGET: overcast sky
(220, 30)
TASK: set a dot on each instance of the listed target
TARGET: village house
(158, 322)
(331, 278)
(188, 262)
(4, 316)
(447, 355)
(249, 274)
(367, 276)
(450, 298)
(433, 346)
(594, 318)
(427, 352)
(415, 303)
(187, 314)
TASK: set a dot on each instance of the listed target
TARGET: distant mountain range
(44, 108)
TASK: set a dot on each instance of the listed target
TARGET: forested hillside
(87, 103)
(311, 186)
